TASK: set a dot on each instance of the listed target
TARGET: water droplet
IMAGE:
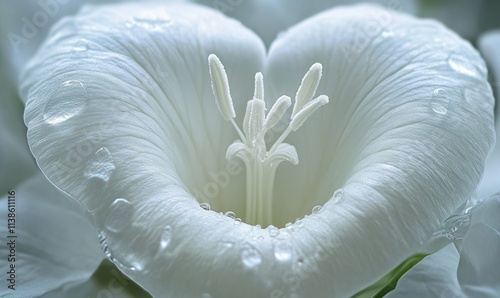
(120, 215)
(81, 45)
(224, 246)
(300, 261)
(440, 101)
(283, 234)
(455, 227)
(219, 215)
(101, 166)
(338, 195)
(289, 226)
(69, 100)
(152, 23)
(230, 214)
(251, 257)
(462, 62)
(205, 206)
(478, 96)
(166, 237)
(283, 251)
(104, 245)
(273, 231)
(387, 33)
(299, 223)
(317, 209)
(237, 221)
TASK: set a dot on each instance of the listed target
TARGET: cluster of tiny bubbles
(283, 250)
(120, 215)
(166, 237)
(100, 166)
(153, 22)
(317, 209)
(439, 101)
(250, 256)
(338, 195)
(462, 63)
(205, 206)
(69, 99)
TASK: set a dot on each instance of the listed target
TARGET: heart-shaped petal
(121, 117)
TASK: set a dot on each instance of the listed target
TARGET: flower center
(261, 164)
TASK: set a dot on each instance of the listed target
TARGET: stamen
(259, 86)
(307, 111)
(261, 164)
(220, 87)
(307, 87)
(277, 111)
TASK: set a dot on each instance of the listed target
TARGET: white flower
(121, 116)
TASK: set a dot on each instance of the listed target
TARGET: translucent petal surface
(472, 272)
(121, 117)
(55, 243)
(405, 134)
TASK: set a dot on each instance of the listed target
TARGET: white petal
(107, 281)
(166, 135)
(55, 243)
(277, 16)
(474, 272)
(140, 90)
(479, 267)
(434, 276)
(405, 134)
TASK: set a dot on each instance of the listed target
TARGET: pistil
(261, 164)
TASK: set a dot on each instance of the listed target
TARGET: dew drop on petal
(387, 34)
(120, 215)
(230, 214)
(283, 251)
(153, 22)
(237, 221)
(101, 166)
(317, 209)
(104, 245)
(460, 62)
(273, 231)
(289, 226)
(439, 101)
(299, 223)
(251, 257)
(166, 237)
(81, 46)
(224, 246)
(205, 206)
(69, 99)
(338, 195)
